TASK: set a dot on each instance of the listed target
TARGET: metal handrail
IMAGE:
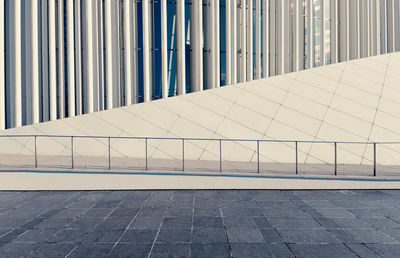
(187, 138)
(220, 140)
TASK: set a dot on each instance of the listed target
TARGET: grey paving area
(200, 224)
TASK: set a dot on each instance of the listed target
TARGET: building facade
(63, 58)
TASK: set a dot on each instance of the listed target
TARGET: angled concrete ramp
(356, 101)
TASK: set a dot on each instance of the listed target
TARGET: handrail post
(146, 151)
(72, 152)
(35, 150)
(374, 158)
(258, 156)
(335, 158)
(297, 159)
(220, 155)
(109, 153)
(183, 154)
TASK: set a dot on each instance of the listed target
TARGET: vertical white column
(164, 46)
(299, 57)
(71, 57)
(385, 27)
(99, 95)
(61, 71)
(243, 37)
(358, 28)
(128, 47)
(180, 45)
(322, 32)
(378, 27)
(90, 78)
(2, 69)
(228, 40)
(250, 64)
(284, 43)
(44, 59)
(272, 65)
(347, 30)
(258, 39)
(393, 25)
(211, 65)
(266, 37)
(217, 45)
(78, 57)
(146, 51)
(109, 29)
(15, 63)
(334, 35)
(135, 52)
(234, 29)
(197, 42)
(34, 62)
(52, 60)
(311, 33)
(397, 25)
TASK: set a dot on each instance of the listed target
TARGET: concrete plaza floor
(200, 224)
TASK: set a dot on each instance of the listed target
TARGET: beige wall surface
(76, 181)
(355, 101)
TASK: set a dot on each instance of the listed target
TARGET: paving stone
(370, 236)
(91, 250)
(207, 222)
(11, 235)
(179, 212)
(271, 236)
(52, 250)
(250, 250)
(107, 204)
(209, 235)
(207, 212)
(97, 212)
(327, 223)
(139, 236)
(35, 236)
(170, 250)
(146, 222)
(68, 235)
(104, 235)
(294, 223)
(381, 223)
(54, 223)
(17, 249)
(385, 250)
(130, 250)
(85, 223)
(392, 232)
(210, 250)
(117, 223)
(239, 223)
(174, 236)
(235, 213)
(321, 250)
(244, 235)
(280, 250)
(362, 251)
(286, 213)
(262, 222)
(200, 223)
(177, 222)
(69, 213)
(351, 223)
(343, 236)
(308, 236)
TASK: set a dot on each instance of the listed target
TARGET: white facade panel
(64, 58)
